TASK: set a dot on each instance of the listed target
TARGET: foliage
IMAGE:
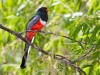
(78, 19)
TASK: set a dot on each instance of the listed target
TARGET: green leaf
(98, 44)
(92, 38)
(77, 30)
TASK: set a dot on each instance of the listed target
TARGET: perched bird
(36, 23)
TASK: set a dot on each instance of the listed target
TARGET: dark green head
(42, 12)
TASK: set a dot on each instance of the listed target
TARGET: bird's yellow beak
(47, 10)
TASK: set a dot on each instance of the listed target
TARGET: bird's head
(42, 12)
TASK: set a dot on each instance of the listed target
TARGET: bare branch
(40, 31)
(23, 39)
(57, 57)
(83, 56)
(66, 61)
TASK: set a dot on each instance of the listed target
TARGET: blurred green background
(78, 19)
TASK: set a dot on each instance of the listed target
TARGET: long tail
(24, 58)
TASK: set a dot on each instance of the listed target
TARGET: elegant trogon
(36, 23)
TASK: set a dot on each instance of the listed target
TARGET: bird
(36, 23)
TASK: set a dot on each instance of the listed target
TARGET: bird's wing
(32, 22)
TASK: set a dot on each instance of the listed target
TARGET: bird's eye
(42, 8)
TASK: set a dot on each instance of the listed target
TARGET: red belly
(38, 26)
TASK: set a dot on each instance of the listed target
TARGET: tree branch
(57, 57)
(40, 31)
(83, 56)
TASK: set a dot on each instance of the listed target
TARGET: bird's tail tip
(22, 66)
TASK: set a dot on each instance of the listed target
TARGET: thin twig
(66, 61)
(57, 57)
(83, 56)
(40, 31)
